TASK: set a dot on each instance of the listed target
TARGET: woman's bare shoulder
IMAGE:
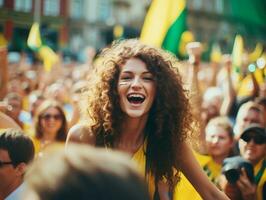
(81, 133)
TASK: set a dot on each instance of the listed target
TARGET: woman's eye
(148, 78)
(125, 78)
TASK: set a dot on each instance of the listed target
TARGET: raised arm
(3, 72)
(196, 176)
(230, 93)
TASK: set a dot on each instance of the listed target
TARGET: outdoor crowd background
(218, 87)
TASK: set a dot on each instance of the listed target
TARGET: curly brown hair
(61, 133)
(170, 118)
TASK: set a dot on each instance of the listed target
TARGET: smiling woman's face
(136, 88)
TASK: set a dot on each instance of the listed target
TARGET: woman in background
(50, 124)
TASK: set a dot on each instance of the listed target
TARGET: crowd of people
(133, 122)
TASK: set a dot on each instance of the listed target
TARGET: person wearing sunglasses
(50, 124)
(16, 152)
(252, 145)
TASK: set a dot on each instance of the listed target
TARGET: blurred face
(209, 110)
(51, 120)
(246, 118)
(251, 149)
(35, 105)
(7, 171)
(16, 107)
(218, 141)
(136, 88)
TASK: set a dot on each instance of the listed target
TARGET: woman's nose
(136, 83)
(215, 139)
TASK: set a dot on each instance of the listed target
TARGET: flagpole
(37, 11)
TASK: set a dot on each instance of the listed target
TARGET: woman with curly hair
(136, 104)
(50, 124)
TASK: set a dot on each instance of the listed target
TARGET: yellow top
(40, 146)
(184, 189)
(140, 158)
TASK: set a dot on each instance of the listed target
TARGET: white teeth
(136, 95)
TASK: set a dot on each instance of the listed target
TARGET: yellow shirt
(140, 158)
(40, 147)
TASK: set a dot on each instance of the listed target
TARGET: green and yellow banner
(47, 55)
(164, 24)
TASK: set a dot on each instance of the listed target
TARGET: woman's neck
(49, 136)
(132, 134)
(219, 159)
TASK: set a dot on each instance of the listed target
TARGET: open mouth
(135, 98)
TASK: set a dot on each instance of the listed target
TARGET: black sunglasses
(258, 139)
(48, 116)
(2, 163)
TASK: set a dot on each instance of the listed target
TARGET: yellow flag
(3, 41)
(164, 24)
(48, 56)
(34, 40)
(256, 53)
(237, 53)
(237, 56)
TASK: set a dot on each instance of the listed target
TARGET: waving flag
(34, 41)
(164, 24)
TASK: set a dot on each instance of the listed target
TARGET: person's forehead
(215, 130)
(250, 113)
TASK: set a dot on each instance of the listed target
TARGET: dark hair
(85, 173)
(19, 146)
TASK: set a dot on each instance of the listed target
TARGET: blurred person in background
(14, 109)
(219, 142)
(50, 125)
(252, 145)
(36, 98)
(212, 101)
(61, 93)
(249, 112)
(16, 152)
(85, 173)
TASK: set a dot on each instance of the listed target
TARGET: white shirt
(17, 193)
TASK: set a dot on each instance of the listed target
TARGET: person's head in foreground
(83, 172)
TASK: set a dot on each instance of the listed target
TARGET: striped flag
(164, 24)
(47, 55)
(34, 39)
(237, 53)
